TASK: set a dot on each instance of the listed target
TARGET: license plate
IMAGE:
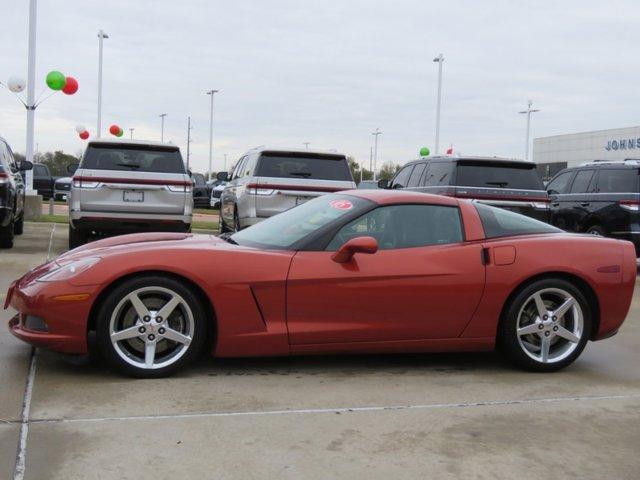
(300, 200)
(64, 198)
(131, 196)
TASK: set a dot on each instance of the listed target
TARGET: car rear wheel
(77, 237)
(546, 326)
(151, 326)
(596, 230)
(18, 228)
(6, 235)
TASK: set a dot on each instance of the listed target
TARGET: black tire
(18, 228)
(6, 234)
(119, 294)
(77, 237)
(508, 341)
(596, 230)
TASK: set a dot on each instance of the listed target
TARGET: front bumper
(66, 319)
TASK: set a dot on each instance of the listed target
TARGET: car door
(232, 194)
(423, 283)
(578, 203)
(559, 200)
(19, 181)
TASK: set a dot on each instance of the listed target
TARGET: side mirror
(189, 172)
(383, 183)
(345, 253)
(72, 168)
(222, 176)
(25, 165)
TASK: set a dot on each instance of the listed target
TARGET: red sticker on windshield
(341, 204)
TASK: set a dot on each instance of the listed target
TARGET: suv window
(40, 171)
(302, 166)
(521, 176)
(621, 180)
(198, 179)
(560, 184)
(438, 173)
(581, 182)
(404, 226)
(133, 158)
(401, 179)
(498, 222)
(414, 179)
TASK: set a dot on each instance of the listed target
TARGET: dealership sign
(624, 144)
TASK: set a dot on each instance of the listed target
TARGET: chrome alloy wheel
(550, 325)
(151, 327)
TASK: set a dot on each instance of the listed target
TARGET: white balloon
(16, 84)
(80, 128)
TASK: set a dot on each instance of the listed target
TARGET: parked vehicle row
(12, 193)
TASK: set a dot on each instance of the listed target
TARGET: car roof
(455, 158)
(120, 141)
(389, 197)
(311, 151)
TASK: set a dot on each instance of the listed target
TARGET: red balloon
(84, 135)
(71, 86)
(114, 129)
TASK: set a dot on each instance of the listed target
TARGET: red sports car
(358, 271)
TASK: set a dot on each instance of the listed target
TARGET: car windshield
(302, 166)
(522, 176)
(133, 158)
(284, 230)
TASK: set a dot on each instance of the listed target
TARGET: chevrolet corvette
(366, 271)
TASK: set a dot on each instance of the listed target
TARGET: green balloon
(56, 80)
(424, 152)
(120, 133)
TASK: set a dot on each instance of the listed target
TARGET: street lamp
(375, 152)
(131, 132)
(528, 112)
(101, 37)
(162, 115)
(212, 93)
(439, 59)
(306, 144)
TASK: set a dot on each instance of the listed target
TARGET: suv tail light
(631, 205)
(4, 177)
(79, 183)
(180, 188)
(541, 205)
(254, 190)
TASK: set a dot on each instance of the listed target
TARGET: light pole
(162, 115)
(101, 37)
(375, 153)
(528, 112)
(131, 132)
(440, 60)
(306, 144)
(212, 93)
(31, 90)
(225, 162)
(188, 140)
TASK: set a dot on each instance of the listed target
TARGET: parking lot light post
(31, 88)
(162, 115)
(131, 132)
(212, 93)
(225, 162)
(376, 134)
(528, 112)
(101, 37)
(439, 59)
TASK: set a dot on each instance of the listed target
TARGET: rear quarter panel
(607, 266)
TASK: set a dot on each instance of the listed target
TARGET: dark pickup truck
(43, 182)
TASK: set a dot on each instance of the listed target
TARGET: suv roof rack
(625, 161)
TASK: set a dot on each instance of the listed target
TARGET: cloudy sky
(328, 72)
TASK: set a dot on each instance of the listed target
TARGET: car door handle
(585, 204)
(555, 204)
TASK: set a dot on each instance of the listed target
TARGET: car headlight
(64, 271)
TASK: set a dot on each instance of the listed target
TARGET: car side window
(402, 177)
(404, 226)
(39, 171)
(237, 172)
(620, 180)
(439, 173)
(560, 184)
(414, 179)
(582, 181)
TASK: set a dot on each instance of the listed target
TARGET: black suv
(11, 195)
(510, 184)
(601, 198)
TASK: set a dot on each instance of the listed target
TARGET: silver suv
(266, 182)
(127, 186)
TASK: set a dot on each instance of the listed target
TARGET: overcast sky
(328, 72)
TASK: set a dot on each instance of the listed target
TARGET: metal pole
(31, 87)
(375, 153)
(101, 37)
(212, 93)
(162, 115)
(371, 160)
(306, 144)
(188, 139)
(440, 60)
(225, 162)
(528, 112)
(131, 130)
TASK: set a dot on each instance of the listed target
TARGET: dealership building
(562, 151)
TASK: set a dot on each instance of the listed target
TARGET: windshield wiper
(301, 174)
(227, 238)
(130, 165)
(498, 184)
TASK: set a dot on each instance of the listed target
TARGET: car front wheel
(151, 326)
(546, 326)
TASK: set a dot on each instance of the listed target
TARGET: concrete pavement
(400, 416)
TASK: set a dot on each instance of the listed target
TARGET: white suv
(267, 181)
(128, 186)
